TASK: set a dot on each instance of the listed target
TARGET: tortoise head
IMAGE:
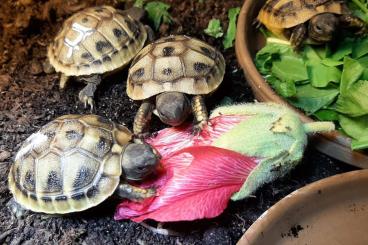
(139, 161)
(322, 27)
(173, 108)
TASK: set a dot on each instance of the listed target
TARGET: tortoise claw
(197, 129)
(139, 138)
(87, 101)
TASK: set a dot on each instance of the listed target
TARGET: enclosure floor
(29, 98)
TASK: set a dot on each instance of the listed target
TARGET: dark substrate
(29, 98)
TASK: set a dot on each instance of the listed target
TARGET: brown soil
(29, 98)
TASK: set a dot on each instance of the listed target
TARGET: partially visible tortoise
(318, 20)
(95, 41)
(75, 162)
(165, 72)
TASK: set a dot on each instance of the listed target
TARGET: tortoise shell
(278, 15)
(71, 164)
(96, 40)
(175, 63)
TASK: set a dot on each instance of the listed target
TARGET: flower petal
(203, 180)
(170, 140)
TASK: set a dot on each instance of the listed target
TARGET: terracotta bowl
(248, 42)
(330, 211)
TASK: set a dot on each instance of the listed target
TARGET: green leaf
(158, 12)
(354, 102)
(310, 55)
(285, 89)
(321, 75)
(231, 30)
(214, 29)
(344, 48)
(350, 74)
(363, 61)
(139, 3)
(360, 48)
(290, 68)
(331, 62)
(361, 143)
(326, 115)
(269, 53)
(311, 99)
(354, 127)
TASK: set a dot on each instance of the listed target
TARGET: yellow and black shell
(71, 164)
(96, 40)
(178, 64)
(278, 15)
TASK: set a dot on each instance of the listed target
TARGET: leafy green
(268, 54)
(351, 73)
(321, 75)
(357, 129)
(290, 67)
(285, 89)
(139, 3)
(327, 115)
(343, 49)
(158, 12)
(359, 8)
(327, 83)
(311, 99)
(214, 28)
(231, 30)
(331, 62)
(360, 48)
(354, 102)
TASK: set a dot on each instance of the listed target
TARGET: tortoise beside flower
(76, 162)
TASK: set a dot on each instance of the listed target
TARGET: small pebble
(47, 67)
(4, 82)
(4, 155)
(36, 68)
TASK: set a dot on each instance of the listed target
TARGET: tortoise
(166, 73)
(75, 162)
(94, 41)
(319, 20)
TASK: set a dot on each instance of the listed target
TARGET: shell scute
(69, 135)
(96, 40)
(48, 174)
(76, 171)
(277, 15)
(175, 63)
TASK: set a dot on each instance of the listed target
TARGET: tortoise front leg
(87, 93)
(142, 119)
(355, 23)
(63, 80)
(134, 193)
(16, 209)
(200, 113)
(298, 36)
(150, 34)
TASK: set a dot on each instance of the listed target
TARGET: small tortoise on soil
(324, 17)
(75, 162)
(170, 69)
(95, 41)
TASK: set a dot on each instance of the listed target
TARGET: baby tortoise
(75, 162)
(165, 72)
(318, 20)
(95, 41)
